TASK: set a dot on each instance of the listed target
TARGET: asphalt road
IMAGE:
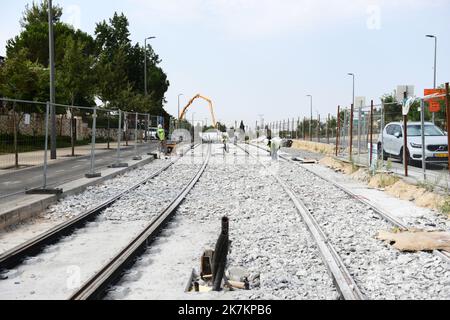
(59, 173)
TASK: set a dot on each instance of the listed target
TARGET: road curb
(32, 205)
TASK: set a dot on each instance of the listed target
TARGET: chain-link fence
(374, 135)
(85, 140)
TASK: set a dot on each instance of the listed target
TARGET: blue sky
(255, 57)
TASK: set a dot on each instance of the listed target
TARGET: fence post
(328, 129)
(44, 189)
(92, 173)
(118, 164)
(109, 130)
(351, 132)
(359, 129)
(447, 105)
(318, 128)
(405, 138)
(422, 123)
(382, 131)
(371, 132)
(338, 131)
(136, 157)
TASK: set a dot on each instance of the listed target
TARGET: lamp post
(359, 114)
(178, 124)
(145, 64)
(52, 81)
(435, 63)
(310, 120)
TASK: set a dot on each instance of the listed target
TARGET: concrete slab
(28, 206)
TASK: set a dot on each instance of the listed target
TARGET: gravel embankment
(268, 239)
(56, 273)
(381, 271)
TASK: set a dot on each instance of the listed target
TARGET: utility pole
(178, 123)
(310, 121)
(447, 107)
(52, 81)
(435, 64)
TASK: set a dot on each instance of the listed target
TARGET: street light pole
(310, 120)
(178, 124)
(145, 64)
(359, 115)
(52, 81)
(435, 64)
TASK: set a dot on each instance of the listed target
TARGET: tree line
(106, 66)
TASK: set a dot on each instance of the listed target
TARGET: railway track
(96, 287)
(382, 213)
(15, 256)
(380, 271)
(343, 280)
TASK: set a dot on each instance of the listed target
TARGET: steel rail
(15, 256)
(382, 213)
(343, 280)
(96, 287)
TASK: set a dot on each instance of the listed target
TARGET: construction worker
(225, 146)
(275, 147)
(162, 138)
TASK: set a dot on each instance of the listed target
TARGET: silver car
(436, 142)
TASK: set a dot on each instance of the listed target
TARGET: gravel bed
(380, 271)
(427, 219)
(76, 258)
(268, 239)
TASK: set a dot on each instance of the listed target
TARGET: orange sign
(435, 105)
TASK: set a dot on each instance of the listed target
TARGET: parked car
(436, 143)
(152, 133)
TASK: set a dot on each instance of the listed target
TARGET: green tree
(75, 80)
(22, 80)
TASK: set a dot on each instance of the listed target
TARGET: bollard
(118, 164)
(220, 255)
(136, 157)
(92, 173)
(44, 189)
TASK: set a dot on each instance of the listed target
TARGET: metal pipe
(351, 132)
(47, 110)
(422, 122)
(52, 79)
(338, 132)
(136, 157)
(92, 173)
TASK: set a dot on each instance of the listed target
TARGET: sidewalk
(434, 177)
(36, 158)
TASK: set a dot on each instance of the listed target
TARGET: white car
(436, 143)
(152, 133)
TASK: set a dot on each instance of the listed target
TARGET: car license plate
(442, 155)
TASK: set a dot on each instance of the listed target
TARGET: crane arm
(199, 96)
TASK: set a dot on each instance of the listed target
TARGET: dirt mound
(313, 147)
(382, 181)
(420, 196)
(336, 165)
(361, 175)
(405, 191)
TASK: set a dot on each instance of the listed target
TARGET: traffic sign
(434, 104)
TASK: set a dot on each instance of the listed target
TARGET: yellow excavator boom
(211, 108)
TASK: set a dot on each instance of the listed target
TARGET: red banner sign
(435, 103)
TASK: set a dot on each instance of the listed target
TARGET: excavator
(211, 108)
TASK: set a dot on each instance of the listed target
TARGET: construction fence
(373, 135)
(81, 134)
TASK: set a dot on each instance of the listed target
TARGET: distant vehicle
(436, 143)
(152, 134)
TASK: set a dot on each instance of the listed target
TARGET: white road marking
(74, 167)
(9, 183)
